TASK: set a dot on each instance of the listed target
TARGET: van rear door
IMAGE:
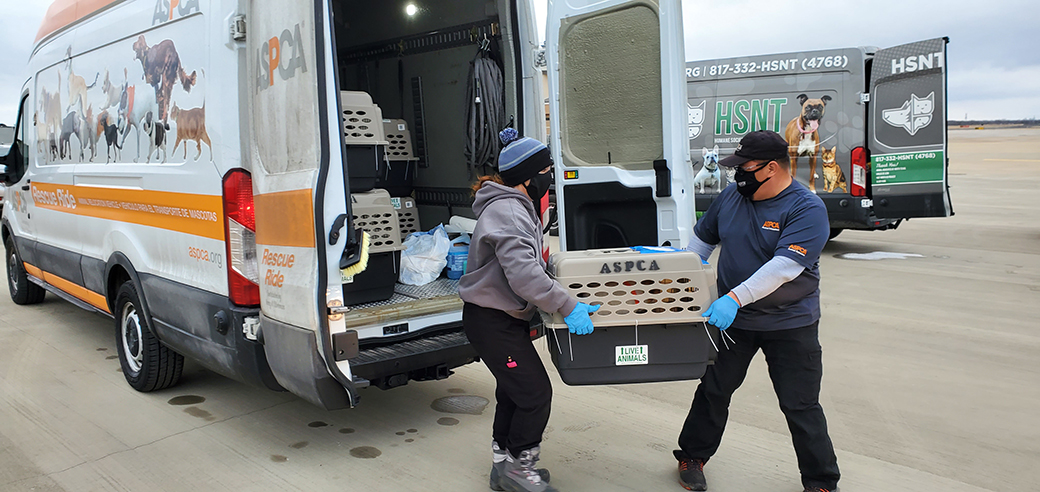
(618, 139)
(302, 214)
(907, 131)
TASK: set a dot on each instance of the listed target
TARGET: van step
(410, 348)
(450, 349)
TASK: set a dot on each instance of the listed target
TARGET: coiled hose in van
(486, 113)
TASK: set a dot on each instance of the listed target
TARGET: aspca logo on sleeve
(281, 55)
(165, 10)
(628, 266)
(770, 225)
(798, 249)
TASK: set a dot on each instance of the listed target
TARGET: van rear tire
(147, 364)
(23, 291)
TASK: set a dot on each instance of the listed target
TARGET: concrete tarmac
(932, 383)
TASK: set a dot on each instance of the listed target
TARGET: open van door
(303, 226)
(618, 135)
(907, 131)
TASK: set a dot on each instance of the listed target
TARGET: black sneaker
(691, 474)
(820, 489)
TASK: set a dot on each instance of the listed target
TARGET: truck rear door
(619, 143)
(303, 225)
(907, 131)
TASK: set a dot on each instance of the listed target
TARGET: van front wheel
(22, 290)
(147, 364)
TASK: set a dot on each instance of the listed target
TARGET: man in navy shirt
(772, 230)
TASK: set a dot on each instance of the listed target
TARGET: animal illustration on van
(833, 176)
(112, 92)
(135, 106)
(69, 126)
(107, 127)
(191, 125)
(913, 115)
(162, 68)
(803, 136)
(709, 175)
(78, 88)
(50, 106)
(156, 131)
(85, 135)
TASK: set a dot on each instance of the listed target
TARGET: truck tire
(834, 233)
(22, 290)
(147, 364)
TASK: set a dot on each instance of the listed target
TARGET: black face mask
(538, 187)
(747, 184)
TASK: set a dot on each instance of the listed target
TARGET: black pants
(796, 368)
(524, 392)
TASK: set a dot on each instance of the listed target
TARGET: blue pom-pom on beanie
(508, 135)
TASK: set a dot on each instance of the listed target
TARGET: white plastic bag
(424, 257)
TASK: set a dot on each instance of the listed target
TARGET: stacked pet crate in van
(649, 326)
(381, 168)
(372, 208)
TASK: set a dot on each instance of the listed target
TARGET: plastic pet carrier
(365, 141)
(401, 163)
(649, 326)
(374, 213)
(407, 215)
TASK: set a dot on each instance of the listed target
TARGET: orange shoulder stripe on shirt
(65, 12)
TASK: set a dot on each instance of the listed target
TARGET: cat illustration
(833, 177)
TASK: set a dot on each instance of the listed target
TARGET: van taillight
(859, 172)
(240, 230)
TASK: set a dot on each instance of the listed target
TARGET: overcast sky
(994, 50)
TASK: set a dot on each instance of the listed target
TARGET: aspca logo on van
(628, 266)
(282, 55)
(165, 10)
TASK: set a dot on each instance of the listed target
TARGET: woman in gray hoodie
(505, 283)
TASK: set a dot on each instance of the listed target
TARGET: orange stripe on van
(86, 295)
(285, 219)
(65, 12)
(198, 215)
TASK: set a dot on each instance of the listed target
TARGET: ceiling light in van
(411, 9)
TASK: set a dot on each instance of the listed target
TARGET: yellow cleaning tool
(362, 262)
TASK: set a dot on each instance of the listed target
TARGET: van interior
(404, 77)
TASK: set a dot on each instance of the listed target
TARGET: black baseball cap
(760, 145)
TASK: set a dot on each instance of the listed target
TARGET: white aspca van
(197, 169)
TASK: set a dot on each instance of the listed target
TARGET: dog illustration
(709, 175)
(112, 92)
(833, 177)
(162, 68)
(803, 136)
(107, 128)
(69, 127)
(191, 125)
(134, 107)
(84, 134)
(156, 131)
(78, 89)
(50, 106)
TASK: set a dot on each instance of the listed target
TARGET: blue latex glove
(722, 311)
(578, 322)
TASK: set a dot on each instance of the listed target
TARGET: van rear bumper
(425, 358)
